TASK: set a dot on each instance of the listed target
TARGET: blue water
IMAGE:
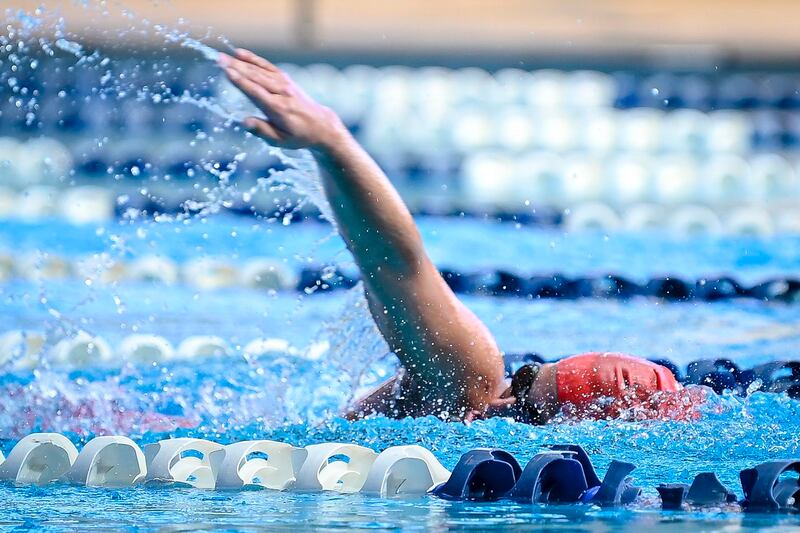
(450, 242)
(295, 398)
(292, 398)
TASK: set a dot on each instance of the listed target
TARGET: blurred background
(607, 114)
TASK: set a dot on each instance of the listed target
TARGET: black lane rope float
(502, 283)
(210, 273)
(566, 475)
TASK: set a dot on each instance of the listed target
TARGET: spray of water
(134, 401)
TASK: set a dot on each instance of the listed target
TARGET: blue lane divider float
(551, 477)
(705, 490)
(782, 376)
(764, 490)
(483, 474)
(562, 475)
(612, 286)
(566, 475)
(719, 374)
(502, 283)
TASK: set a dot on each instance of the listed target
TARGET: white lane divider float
(25, 350)
(87, 205)
(335, 467)
(154, 268)
(8, 200)
(38, 459)
(8, 266)
(111, 461)
(695, 219)
(81, 350)
(100, 268)
(21, 349)
(267, 347)
(755, 222)
(787, 221)
(117, 461)
(594, 217)
(643, 217)
(404, 470)
(38, 202)
(262, 463)
(211, 274)
(204, 274)
(183, 461)
(146, 349)
(266, 273)
(44, 266)
(202, 346)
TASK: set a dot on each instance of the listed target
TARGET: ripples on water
(293, 397)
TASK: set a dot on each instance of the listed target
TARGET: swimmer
(451, 365)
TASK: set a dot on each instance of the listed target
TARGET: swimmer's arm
(435, 336)
(440, 342)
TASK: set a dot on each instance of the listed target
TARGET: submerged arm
(449, 354)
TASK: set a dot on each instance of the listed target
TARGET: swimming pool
(150, 130)
(294, 397)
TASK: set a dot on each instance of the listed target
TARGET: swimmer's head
(525, 408)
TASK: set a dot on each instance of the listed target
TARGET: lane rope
(563, 474)
(214, 273)
(22, 351)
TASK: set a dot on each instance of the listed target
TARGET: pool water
(295, 396)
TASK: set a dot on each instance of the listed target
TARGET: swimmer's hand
(499, 407)
(294, 119)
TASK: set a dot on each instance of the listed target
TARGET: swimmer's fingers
(265, 100)
(273, 82)
(499, 407)
(472, 416)
(263, 129)
(294, 119)
(500, 403)
(496, 407)
(250, 57)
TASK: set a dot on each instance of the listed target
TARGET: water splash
(71, 47)
(267, 392)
